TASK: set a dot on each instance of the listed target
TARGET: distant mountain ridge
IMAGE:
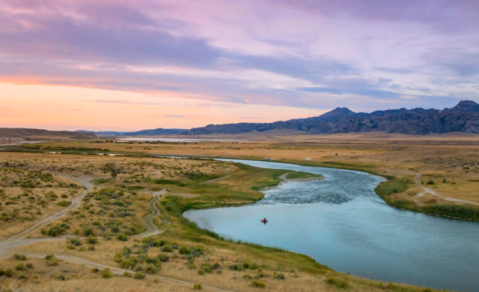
(40, 134)
(152, 132)
(464, 117)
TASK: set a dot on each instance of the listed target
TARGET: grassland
(99, 250)
(447, 164)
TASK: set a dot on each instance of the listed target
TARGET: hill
(152, 132)
(39, 134)
(464, 117)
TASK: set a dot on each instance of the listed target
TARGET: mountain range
(464, 117)
(39, 134)
(152, 132)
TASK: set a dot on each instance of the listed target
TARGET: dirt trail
(227, 171)
(432, 192)
(120, 271)
(75, 203)
(151, 228)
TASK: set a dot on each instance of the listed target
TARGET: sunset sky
(131, 65)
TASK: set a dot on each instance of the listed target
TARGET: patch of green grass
(299, 175)
(452, 211)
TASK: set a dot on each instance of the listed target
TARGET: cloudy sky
(128, 65)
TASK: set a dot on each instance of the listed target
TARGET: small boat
(264, 221)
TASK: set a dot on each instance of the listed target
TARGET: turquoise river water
(342, 223)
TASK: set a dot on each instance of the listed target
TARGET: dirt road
(432, 192)
(151, 228)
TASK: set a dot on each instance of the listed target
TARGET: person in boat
(264, 221)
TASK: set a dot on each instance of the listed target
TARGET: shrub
(122, 237)
(337, 283)
(236, 267)
(20, 257)
(87, 231)
(184, 250)
(2, 272)
(63, 203)
(57, 230)
(151, 269)
(75, 242)
(8, 273)
(51, 260)
(61, 278)
(167, 248)
(163, 258)
(199, 249)
(95, 270)
(139, 275)
(278, 276)
(21, 276)
(257, 284)
(197, 287)
(92, 240)
(20, 267)
(427, 290)
(29, 266)
(106, 274)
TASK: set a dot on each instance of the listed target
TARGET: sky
(131, 65)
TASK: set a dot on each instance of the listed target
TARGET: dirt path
(227, 171)
(120, 271)
(75, 203)
(432, 192)
(149, 220)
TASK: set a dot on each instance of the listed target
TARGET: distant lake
(182, 140)
(342, 223)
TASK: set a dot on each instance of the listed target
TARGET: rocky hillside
(38, 134)
(464, 117)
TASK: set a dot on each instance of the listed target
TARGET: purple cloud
(306, 53)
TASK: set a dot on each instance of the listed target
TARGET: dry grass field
(448, 164)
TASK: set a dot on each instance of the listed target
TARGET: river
(342, 223)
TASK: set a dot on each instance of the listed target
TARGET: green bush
(20, 257)
(341, 284)
(257, 284)
(75, 242)
(197, 287)
(92, 240)
(51, 260)
(20, 267)
(184, 250)
(106, 274)
(151, 269)
(278, 276)
(167, 248)
(63, 203)
(139, 275)
(121, 237)
(58, 230)
(8, 273)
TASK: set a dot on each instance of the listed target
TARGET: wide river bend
(342, 223)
